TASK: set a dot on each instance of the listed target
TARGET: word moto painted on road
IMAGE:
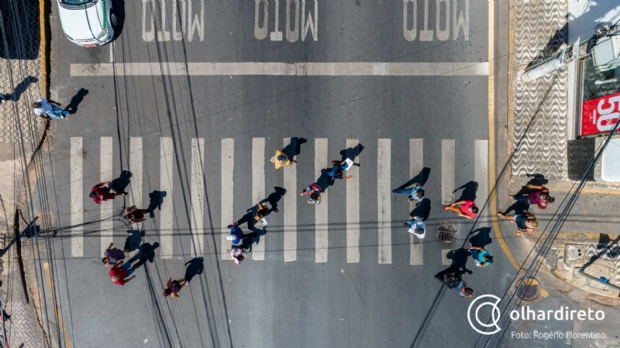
(309, 20)
(187, 19)
(450, 16)
(600, 115)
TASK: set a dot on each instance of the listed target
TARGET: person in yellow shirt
(280, 159)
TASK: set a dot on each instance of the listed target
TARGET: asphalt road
(268, 303)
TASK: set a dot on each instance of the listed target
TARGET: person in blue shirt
(337, 173)
(236, 234)
(481, 256)
(416, 193)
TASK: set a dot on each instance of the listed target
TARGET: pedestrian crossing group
(260, 160)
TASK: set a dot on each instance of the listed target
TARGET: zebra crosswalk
(168, 181)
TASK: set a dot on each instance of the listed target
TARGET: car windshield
(76, 2)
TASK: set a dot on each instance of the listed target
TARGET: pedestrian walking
(101, 192)
(280, 159)
(262, 212)
(454, 281)
(313, 192)
(238, 254)
(526, 221)
(465, 208)
(135, 215)
(5, 97)
(337, 172)
(416, 226)
(173, 287)
(539, 196)
(481, 256)
(120, 271)
(416, 193)
(49, 109)
(236, 235)
(111, 255)
(346, 164)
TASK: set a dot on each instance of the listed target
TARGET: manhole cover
(529, 289)
(574, 252)
(446, 231)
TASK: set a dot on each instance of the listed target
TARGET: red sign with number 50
(600, 115)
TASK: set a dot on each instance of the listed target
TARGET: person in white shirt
(47, 109)
(416, 226)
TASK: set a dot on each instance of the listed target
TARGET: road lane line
(106, 207)
(227, 191)
(445, 261)
(290, 207)
(447, 171)
(282, 69)
(321, 213)
(135, 167)
(198, 197)
(166, 214)
(352, 200)
(258, 189)
(384, 202)
(481, 175)
(77, 197)
(416, 164)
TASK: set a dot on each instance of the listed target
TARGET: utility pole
(553, 63)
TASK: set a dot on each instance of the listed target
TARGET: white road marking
(106, 207)
(321, 213)
(384, 202)
(353, 210)
(290, 209)
(227, 190)
(258, 189)
(198, 197)
(445, 261)
(481, 175)
(282, 69)
(447, 171)
(77, 197)
(135, 167)
(166, 183)
(416, 164)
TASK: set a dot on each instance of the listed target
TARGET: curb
(44, 12)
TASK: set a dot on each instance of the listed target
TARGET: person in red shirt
(120, 271)
(465, 208)
(100, 192)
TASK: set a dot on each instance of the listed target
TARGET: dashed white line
(77, 197)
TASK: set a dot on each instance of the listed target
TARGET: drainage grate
(447, 231)
(529, 289)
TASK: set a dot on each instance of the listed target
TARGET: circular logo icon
(495, 314)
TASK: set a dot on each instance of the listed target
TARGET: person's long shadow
(517, 207)
(194, 267)
(275, 197)
(133, 240)
(536, 179)
(459, 259)
(76, 100)
(146, 252)
(482, 238)
(156, 199)
(294, 147)
(22, 87)
(469, 191)
(120, 184)
(255, 232)
(422, 178)
(352, 152)
(423, 209)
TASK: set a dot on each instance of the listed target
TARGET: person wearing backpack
(454, 282)
(280, 159)
(481, 256)
(313, 192)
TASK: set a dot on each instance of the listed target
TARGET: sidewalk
(20, 131)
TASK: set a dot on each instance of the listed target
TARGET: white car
(88, 23)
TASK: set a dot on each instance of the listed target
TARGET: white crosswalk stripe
(353, 210)
(384, 203)
(258, 189)
(197, 197)
(107, 207)
(77, 197)
(289, 249)
(416, 165)
(290, 208)
(321, 211)
(166, 180)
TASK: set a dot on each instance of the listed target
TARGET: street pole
(551, 64)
